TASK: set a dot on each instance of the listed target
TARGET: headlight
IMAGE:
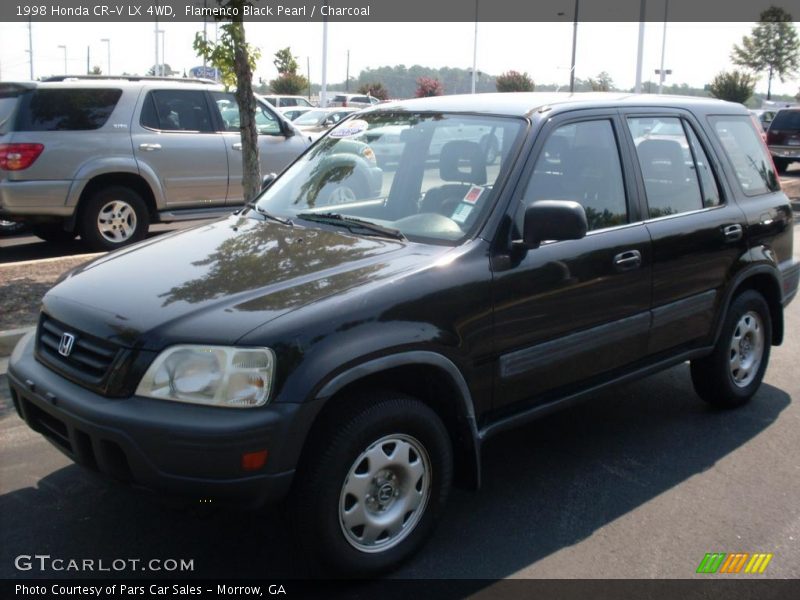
(211, 375)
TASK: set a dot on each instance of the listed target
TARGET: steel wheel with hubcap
(732, 373)
(369, 490)
(113, 217)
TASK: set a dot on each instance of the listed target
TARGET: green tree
(164, 70)
(290, 84)
(734, 86)
(96, 70)
(602, 83)
(284, 62)
(376, 90)
(236, 61)
(514, 81)
(773, 47)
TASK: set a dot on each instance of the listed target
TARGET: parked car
(105, 157)
(293, 112)
(287, 101)
(764, 117)
(783, 138)
(351, 100)
(316, 122)
(352, 346)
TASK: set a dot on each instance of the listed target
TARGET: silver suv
(105, 157)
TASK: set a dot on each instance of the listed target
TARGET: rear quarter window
(66, 109)
(7, 105)
(748, 154)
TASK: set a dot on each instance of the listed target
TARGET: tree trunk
(769, 84)
(251, 168)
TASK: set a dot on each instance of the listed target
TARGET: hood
(217, 282)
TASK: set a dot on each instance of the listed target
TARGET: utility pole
(88, 60)
(308, 71)
(475, 51)
(640, 52)
(30, 43)
(347, 74)
(156, 67)
(662, 73)
(574, 48)
(323, 92)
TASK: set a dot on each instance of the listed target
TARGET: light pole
(475, 50)
(163, 58)
(640, 51)
(156, 66)
(64, 48)
(323, 92)
(108, 66)
(574, 48)
(662, 73)
(30, 43)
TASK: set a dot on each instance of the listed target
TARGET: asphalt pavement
(638, 482)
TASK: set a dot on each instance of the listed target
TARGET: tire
(53, 232)
(382, 454)
(745, 341)
(10, 227)
(114, 217)
(781, 164)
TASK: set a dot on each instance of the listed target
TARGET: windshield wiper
(268, 215)
(350, 223)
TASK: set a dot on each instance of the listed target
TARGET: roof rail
(55, 78)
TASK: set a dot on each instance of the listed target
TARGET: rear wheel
(732, 373)
(114, 217)
(371, 487)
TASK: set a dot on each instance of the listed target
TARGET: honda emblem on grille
(65, 345)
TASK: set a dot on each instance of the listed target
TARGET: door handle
(237, 146)
(630, 259)
(732, 233)
(149, 147)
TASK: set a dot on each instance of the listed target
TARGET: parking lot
(639, 482)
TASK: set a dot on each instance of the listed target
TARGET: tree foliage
(374, 89)
(164, 70)
(236, 61)
(602, 82)
(734, 86)
(284, 62)
(773, 47)
(428, 86)
(514, 81)
(290, 84)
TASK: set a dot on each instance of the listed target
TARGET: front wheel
(114, 217)
(371, 487)
(732, 373)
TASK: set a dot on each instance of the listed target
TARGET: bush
(290, 84)
(428, 86)
(513, 81)
(376, 90)
(734, 86)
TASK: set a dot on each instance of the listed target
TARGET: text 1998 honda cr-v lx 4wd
(353, 338)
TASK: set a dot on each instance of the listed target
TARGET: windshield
(429, 176)
(312, 117)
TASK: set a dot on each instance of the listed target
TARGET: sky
(694, 51)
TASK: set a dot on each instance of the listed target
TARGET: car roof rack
(56, 78)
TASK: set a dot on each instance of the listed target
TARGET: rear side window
(176, 110)
(748, 154)
(670, 164)
(7, 104)
(786, 119)
(580, 162)
(66, 109)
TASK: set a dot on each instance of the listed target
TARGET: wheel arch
(433, 379)
(121, 178)
(765, 280)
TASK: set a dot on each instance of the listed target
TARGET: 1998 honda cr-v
(353, 337)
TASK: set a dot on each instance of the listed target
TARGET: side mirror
(552, 220)
(267, 180)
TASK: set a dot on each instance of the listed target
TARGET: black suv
(783, 138)
(354, 337)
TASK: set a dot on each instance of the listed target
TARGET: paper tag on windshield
(473, 194)
(461, 212)
(349, 129)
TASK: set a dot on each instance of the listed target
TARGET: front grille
(90, 358)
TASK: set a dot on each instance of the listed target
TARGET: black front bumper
(190, 451)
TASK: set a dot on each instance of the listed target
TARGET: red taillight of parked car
(16, 157)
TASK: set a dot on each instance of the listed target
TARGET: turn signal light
(253, 461)
(16, 157)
